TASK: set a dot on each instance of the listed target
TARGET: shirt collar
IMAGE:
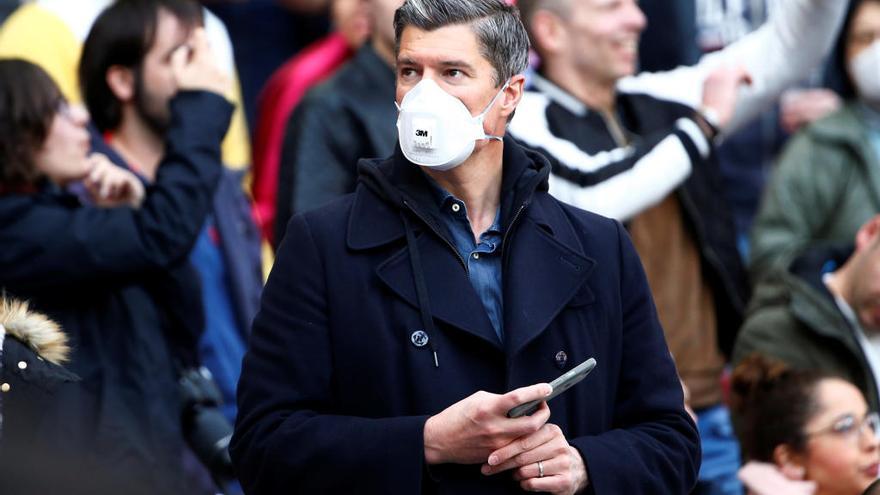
(844, 306)
(445, 199)
(559, 96)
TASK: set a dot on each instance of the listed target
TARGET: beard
(151, 108)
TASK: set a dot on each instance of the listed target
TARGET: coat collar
(545, 265)
(811, 301)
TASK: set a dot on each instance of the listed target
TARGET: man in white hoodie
(640, 149)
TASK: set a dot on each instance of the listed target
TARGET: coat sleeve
(618, 183)
(53, 245)
(653, 446)
(779, 54)
(289, 435)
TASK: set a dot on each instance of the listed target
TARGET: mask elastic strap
(482, 114)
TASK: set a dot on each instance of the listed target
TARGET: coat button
(22, 365)
(419, 338)
(5, 387)
(561, 359)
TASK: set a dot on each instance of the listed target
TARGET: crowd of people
(440, 206)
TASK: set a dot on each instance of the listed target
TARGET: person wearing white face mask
(827, 182)
(402, 322)
(436, 129)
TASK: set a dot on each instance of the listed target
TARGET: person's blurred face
(451, 57)
(382, 14)
(63, 155)
(865, 29)
(864, 294)
(352, 20)
(601, 38)
(842, 456)
(155, 84)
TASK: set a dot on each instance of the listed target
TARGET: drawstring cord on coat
(421, 287)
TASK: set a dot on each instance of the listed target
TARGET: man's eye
(454, 73)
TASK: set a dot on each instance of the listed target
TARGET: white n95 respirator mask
(865, 70)
(436, 129)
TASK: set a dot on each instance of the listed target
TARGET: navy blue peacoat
(334, 394)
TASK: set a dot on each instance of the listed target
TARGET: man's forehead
(171, 33)
(442, 46)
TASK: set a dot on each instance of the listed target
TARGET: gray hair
(500, 33)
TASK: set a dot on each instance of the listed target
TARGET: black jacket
(103, 275)
(335, 393)
(349, 117)
(32, 348)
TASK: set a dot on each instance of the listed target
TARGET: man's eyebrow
(458, 63)
(445, 63)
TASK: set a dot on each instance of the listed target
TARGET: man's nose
(635, 18)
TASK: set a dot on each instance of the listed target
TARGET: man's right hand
(721, 91)
(472, 428)
(195, 67)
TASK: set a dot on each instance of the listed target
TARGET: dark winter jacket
(102, 274)
(351, 116)
(335, 390)
(32, 350)
(793, 317)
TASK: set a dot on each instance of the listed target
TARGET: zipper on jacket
(509, 229)
(435, 231)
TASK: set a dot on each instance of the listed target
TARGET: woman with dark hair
(43, 140)
(805, 432)
(104, 274)
(827, 183)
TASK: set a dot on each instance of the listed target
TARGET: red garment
(282, 93)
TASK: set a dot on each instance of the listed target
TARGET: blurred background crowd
(738, 141)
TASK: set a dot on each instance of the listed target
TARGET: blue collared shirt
(483, 259)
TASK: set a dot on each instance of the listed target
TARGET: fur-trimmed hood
(35, 330)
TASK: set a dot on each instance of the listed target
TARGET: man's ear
(121, 82)
(512, 95)
(868, 233)
(789, 464)
(548, 33)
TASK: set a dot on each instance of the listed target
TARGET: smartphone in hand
(559, 385)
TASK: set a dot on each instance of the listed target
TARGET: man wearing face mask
(401, 323)
(827, 182)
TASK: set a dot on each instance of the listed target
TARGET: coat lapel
(452, 297)
(374, 224)
(545, 269)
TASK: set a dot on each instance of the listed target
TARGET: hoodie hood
(812, 265)
(397, 180)
(405, 189)
(35, 330)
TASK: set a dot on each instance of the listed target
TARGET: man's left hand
(564, 471)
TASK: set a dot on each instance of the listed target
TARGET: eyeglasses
(64, 110)
(852, 428)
